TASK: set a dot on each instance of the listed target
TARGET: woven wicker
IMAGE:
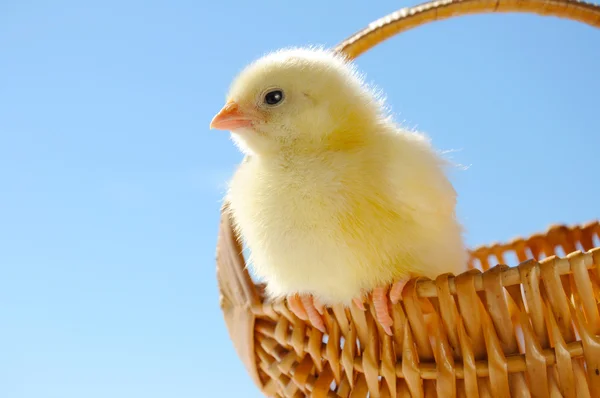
(528, 330)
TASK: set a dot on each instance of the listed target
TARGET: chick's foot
(382, 303)
(307, 308)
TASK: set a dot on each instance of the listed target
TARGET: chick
(334, 200)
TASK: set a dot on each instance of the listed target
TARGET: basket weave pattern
(493, 331)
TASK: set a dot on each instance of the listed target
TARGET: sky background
(111, 181)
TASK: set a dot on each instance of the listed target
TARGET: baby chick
(334, 200)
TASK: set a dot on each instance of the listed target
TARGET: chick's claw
(396, 290)
(358, 302)
(295, 305)
(382, 311)
(308, 309)
(382, 303)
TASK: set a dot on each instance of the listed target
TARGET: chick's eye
(273, 97)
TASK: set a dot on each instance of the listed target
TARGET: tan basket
(530, 330)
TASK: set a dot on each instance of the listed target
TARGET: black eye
(273, 97)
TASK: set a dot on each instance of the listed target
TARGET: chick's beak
(231, 117)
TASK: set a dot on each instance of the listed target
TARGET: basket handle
(412, 17)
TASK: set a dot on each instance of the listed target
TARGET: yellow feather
(334, 197)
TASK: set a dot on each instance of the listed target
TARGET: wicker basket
(530, 330)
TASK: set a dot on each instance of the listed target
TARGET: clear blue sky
(110, 180)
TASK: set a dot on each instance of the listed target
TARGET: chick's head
(301, 99)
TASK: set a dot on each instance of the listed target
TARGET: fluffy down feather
(334, 199)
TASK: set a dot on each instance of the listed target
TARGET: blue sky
(110, 180)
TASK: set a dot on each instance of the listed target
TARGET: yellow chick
(334, 200)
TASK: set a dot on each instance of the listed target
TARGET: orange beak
(231, 118)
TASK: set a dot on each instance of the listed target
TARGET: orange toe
(318, 305)
(396, 290)
(382, 313)
(313, 314)
(295, 305)
(358, 303)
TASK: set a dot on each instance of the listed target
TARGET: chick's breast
(326, 226)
